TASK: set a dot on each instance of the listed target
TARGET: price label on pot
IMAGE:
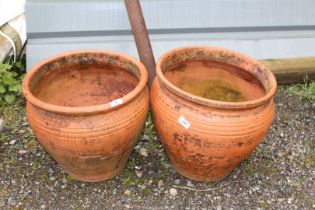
(116, 102)
(183, 122)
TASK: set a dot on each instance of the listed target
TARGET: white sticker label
(183, 122)
(116, 102)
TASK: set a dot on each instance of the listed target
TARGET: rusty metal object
(141, 36)
(206, 139)
(89, 133)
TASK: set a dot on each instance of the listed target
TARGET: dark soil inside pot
(85, 85)
(214, 80)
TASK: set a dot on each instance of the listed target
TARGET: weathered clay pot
(206, 139)
(86, 112)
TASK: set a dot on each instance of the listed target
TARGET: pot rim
(84, 109)
(210, 102)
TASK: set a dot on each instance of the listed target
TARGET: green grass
(249, 169)
(70, 179)
(12, 114)
(127, 176)
(32, 143)
(35, 165)
(262, 167)
(152, 144)
(305, 91)
(145, 191)
(10, 161)
(3, 137)
(310, 159)
(211, 185)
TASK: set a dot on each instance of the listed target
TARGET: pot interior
(213, 79)
(84, 80)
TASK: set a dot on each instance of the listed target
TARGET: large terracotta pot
(206, 139)
(86, 112)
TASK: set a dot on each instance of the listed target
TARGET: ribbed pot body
(214, 138)
(90, 143)
(94, 147)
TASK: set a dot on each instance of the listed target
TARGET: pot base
(195, 176)
(201, 179)
(97, 178)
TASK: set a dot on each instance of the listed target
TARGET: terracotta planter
(206, 139)
(87, 109)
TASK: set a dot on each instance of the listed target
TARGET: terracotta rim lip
(83, 109)
(211, 102)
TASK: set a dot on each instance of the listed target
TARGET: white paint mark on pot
(116, 102)
(183, 122)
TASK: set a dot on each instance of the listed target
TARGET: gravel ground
(278, 175)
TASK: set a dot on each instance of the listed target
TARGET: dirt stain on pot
(85, 85)
(215, 80)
